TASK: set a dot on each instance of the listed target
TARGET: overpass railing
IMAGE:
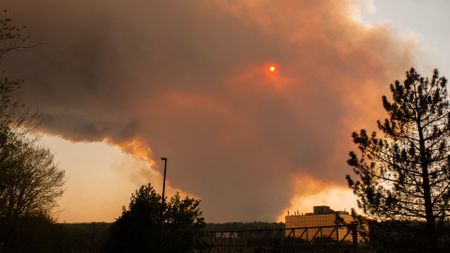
(277, 238)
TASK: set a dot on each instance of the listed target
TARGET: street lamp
(164, 181)
(162, 203)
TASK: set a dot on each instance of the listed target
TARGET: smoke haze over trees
(186, 80)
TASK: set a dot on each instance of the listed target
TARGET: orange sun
(272, 68)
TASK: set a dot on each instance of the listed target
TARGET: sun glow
(271, 69)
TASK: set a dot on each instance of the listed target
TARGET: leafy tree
(138, 229)
(182, 219)
(30, 181)
(404, 174)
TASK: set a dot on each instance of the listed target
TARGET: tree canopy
(404, 173)
(30, 180)
(140, 227)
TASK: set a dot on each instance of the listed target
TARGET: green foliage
(138, 229)
(404, 174)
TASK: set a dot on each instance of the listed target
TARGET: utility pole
(162, 204)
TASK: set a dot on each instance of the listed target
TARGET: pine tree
(404, 173)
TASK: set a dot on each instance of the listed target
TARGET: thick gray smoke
(187, 79)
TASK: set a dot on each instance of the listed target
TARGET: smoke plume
(187, 80)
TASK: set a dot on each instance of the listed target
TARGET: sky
(117, 85)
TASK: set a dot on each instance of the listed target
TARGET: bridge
(336, 238)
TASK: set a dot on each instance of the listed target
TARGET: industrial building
(324, 217)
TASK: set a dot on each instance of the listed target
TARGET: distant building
(322, 216)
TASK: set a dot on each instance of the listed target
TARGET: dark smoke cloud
(186, 79)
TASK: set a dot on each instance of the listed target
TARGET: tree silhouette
(30, 181)
(404, 174)
(138, 228)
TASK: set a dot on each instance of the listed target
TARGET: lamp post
(164, 182)
(162, 202)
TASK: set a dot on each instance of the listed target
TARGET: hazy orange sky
(118, 84)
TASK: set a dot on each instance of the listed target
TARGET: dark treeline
(242, 226)
(395, 236)
(38, 234)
